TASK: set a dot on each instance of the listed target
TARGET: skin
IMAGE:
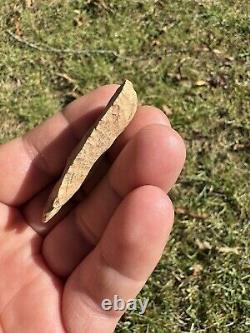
(109, 241)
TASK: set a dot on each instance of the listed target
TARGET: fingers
(154, 156)
(146, 115)
(29, 163)
(121, 263)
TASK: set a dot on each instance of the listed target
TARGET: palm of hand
(108, 244)
(30, 294)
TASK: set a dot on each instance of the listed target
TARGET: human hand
(107, 244)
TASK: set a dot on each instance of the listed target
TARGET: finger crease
(105, 262)
(85, 229)
(70, 127)
(113, 189)
(36, 157)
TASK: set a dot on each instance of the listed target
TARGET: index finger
(29, 163)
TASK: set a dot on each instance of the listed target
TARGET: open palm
(107, 243)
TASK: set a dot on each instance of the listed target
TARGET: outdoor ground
(191, 58)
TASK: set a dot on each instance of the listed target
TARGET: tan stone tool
(112, 121)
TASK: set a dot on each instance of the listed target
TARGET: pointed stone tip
(45, 218)
(47, 215)
(127, 82)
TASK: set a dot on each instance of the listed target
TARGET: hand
(108, 244)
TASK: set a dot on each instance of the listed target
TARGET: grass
(191, 56)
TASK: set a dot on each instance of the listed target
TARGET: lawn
(190, 58)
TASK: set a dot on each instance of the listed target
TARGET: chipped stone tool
(111, 123)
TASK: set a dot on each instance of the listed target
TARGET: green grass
(192, 56)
